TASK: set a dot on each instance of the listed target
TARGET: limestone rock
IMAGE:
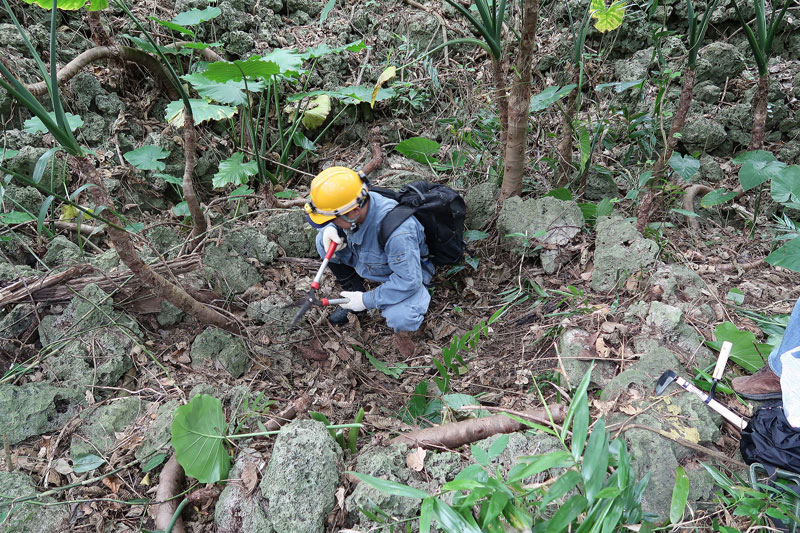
(717, 62)
(227, 271)
(93, 340)
(702, 134)
(239, 509)
(293, 234)
(301, 479)
(252, 244)
(574, 342)
(97, 433)
(481, 203)
(62, 251)
(158, 434)
(220, 346)
(558, 222)
(30, 518)
(14, 324)
(619, 252)
(23, 198)
(35, 408)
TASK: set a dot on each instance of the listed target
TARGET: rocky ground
(96, 367)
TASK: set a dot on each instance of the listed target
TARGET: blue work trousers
(791, 339)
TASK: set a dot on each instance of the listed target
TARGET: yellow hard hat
(334, 192)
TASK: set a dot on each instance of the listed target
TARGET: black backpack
(439, 209)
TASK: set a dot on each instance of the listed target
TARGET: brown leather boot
(763, 385)
(404, 343)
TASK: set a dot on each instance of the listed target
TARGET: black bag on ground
(769, 439)
(439, 209)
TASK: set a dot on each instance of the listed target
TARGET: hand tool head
(664, 381)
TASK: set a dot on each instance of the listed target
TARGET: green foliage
(234, 170)
(746, 352)
(147, 157)
(607, 18)
(596, 492)
(71, 5)
(717, 197)
(198, 438)
(549, 96)
(346, 439)
(420, 149)
(488, 24)
(684, 166)
(86, 462)
(761, 39)
(202, 111)
(680, 495)
(756, 503)
(36, 125)
(196, 16)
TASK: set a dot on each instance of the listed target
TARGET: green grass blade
(43, 213)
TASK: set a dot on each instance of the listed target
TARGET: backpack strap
(399, 214)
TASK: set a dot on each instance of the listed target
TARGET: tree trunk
(121, 240)
(519, 103)
(564, 147)
(760, 101)
(501, 97)
(199, 226)
(648, 205)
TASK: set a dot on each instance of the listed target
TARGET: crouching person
(345, 212)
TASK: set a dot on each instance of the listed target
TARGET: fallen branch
(141, 58)
(467, 431)
(169, 484)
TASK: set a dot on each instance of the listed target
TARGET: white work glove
(356, 302)
(331, 234)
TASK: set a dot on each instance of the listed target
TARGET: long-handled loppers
(312, 299)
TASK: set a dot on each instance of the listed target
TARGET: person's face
(357, 214)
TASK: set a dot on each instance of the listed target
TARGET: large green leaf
(717, 197)
(680, 495)
(317, 111)
(556, 459)
(568, 512)
(323, 49)
(450, 521)
(202, 111)
(785, 187)
(71, 5)
(684, 166)
(35, 124)
(231, 92)
(418, 148)
(16, 217)
(198, 439)
(565, 483)
(549, 96)
(595, 460)
(746, 352)
(7, 154)
(607, 18)
(147, 157)
(787, 256)
(288, 61)
(174, 27)
(757, 167)
(196, 16)
(86, 462)
(234, 170)
(254, 68)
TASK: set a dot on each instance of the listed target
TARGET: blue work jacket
(402, 267)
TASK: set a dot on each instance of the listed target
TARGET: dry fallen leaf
(604, 407)
(113, 483)
(630, 410)
(601, 348)
(61, 466)
(416, 460)
(250, 477)
(146, 479)
(340, 496)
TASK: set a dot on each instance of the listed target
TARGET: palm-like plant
(760, 42)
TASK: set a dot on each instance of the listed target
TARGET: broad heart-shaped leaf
(234, 170)
(317, 111)
(35, 125)
(745, 351)
(717, 197)
(288, 61)
(196, 16)
(7, 154)
(202, 111)
(785, 187)
(386, 75)
(418, 148)
(787, 256)
(680, 495)
(147, 157)
(607, 18)
(684, 166)
(71, 5)
(549, 96)
(757, 167)
(197, 436)
(254, 68)
(231, 92)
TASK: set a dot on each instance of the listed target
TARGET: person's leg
(408, 314)
(345, 274)
(791, 339)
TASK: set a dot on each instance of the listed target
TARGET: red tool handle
(328, 255)
(334, 301)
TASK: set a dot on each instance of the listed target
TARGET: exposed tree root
(688, 203)
(169, 484)
(457, 434)
(126, 53)
(300, 405)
